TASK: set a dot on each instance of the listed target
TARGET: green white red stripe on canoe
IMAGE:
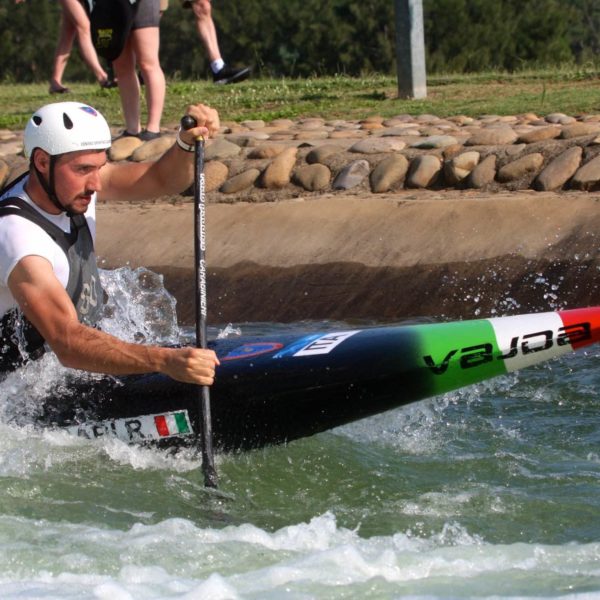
(465, 352)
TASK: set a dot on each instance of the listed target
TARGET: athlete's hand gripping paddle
(208, 461)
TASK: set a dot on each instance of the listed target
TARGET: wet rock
(388, 173)
(453, 150)
(514, 149)
(266, 151)
(153, 148)
(318, 134)
(559, 118)
(282, 136)
(461, 120)
(492, 136)
(4, 173)
(278, 173)
(340, 124)
(427, 118)
(530, 163)
(240, 182)
(539, 134)
(246, 138)
(528, 117)
(560, 170)
(253, 124)
(319, 154)
(230, 127)
(377, 119)
(313, 177)
(424, 171)
(371, 126)
(459, 167)
(358, 133)
(11, 147)
(580, 129)
(484, 173)
(215, 174)
(377, 146)
(352, 175)
(588, 176)
(436, 141)
(400, 131)
(221, 149)
(6, 135)
(310, 124)
(123, 148)
(282, 123)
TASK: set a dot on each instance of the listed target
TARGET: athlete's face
(77, 177)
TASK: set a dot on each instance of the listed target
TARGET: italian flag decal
(170, 424)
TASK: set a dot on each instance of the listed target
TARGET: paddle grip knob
(188, 122)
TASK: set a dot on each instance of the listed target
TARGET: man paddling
(50, 294)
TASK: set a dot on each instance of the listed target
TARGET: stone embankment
(259, 161)
(253, 159)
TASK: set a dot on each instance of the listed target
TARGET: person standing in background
(75, 23)
(142, 51)
(222, 73)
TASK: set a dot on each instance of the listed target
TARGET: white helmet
(66, 127)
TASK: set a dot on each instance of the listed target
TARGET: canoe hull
(277, 389)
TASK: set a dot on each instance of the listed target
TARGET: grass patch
(572, 90)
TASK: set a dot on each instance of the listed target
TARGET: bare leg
(62, 52)
(206, 28)
(75, 12)
(129, 87)
(146, 42)
(208, 34)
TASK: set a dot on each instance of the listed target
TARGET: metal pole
(410, 49)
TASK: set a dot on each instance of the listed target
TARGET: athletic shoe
(108, 84)
(59, 90)
(125, 134)
(229, 75)
(146, 135)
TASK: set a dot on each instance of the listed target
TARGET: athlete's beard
(75, 208)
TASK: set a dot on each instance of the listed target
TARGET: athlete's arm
(46, 304)
(171, 174)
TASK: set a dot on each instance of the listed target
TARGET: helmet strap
(49, 186)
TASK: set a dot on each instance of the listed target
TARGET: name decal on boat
(137, 429)
(326, 343)
(539, 341)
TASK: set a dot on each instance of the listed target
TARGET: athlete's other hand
(207, 123)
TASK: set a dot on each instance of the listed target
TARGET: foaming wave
(25, 450)
(410, 429)
(177, 559)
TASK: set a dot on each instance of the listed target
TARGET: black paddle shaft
(208, 461)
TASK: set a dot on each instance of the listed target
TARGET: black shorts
(147, 14)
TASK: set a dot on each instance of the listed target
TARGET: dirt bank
(388, 256)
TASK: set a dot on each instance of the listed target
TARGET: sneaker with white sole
(231, 75)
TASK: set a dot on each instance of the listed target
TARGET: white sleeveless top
(20, 238)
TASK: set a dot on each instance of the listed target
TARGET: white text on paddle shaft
(325, 344)
(474, 356)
